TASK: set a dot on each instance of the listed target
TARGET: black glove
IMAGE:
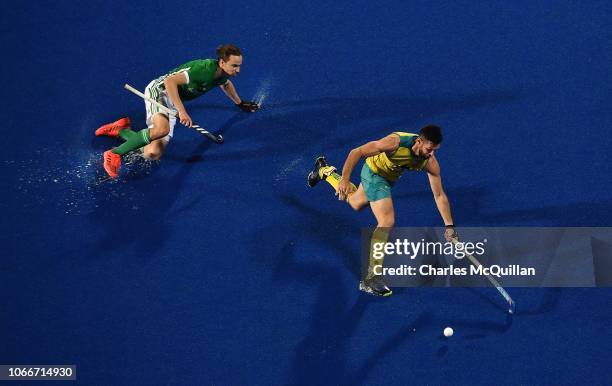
(248, 106)
(451, 234)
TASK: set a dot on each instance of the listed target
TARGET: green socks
(133, 140)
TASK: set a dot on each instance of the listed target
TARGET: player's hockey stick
(216, 138)
(498, 286)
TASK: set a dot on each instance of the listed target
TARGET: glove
(450, 233)
(248, 106)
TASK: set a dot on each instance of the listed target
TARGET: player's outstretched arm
(229, 90)
(435, 181)
(388, 144)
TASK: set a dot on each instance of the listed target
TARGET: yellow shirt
(392, 165)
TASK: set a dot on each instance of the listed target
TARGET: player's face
(426, 148)
(232, 66)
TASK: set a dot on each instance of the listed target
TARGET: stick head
(219, 139)
(512, 308)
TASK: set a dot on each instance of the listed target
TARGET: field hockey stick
(216, 138)
(498, 286)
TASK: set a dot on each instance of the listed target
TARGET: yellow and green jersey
(200, 75)
(392, 165)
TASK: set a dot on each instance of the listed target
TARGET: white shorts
(156, 93)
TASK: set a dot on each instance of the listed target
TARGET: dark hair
(431, 133)
(227, 50)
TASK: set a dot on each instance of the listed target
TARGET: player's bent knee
(152, 155)
(356, 202)
(153, 152)
(159, 132)
(357, 206)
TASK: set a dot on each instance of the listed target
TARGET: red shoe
(112, 163)
(113, 129)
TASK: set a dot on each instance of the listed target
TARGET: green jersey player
(186, 82)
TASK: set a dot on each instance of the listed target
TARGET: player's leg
(158, 127)
(134, 140)
(162, 126)
(155, 150)
(324, 172)
(161, 130)
(378, 191)
(114, 129)
(373, 283)
(358, 200)
(384, 212)
(120, 129)
(385, 219)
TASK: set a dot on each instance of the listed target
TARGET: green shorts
(376, 187)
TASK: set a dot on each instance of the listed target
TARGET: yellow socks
(380, 235)
(328, 173)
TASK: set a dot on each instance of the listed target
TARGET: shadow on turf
(314, 126)
(325, 344)
(336, 231)
(323, 348)
(332, 324)
(549, 300)
(326, 341)
(319, 358)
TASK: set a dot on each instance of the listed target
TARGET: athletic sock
(380, 235)
(127, 134)
(333, 178)
(326, 171)
(133, 140)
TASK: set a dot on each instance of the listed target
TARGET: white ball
(448, 332)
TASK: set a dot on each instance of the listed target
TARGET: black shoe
(375, 286)
(313, 176)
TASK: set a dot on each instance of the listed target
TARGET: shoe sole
(111, 175)
(315, 181)
(107, 169)
(369, 290)
(315, 172)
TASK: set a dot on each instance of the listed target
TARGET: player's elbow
(168, 82)
(357, 153)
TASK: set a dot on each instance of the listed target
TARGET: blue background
(219, 266)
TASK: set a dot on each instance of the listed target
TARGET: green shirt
(201, 78)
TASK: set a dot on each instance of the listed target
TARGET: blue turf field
(219, 266)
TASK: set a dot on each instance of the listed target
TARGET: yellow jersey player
(385, 160)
